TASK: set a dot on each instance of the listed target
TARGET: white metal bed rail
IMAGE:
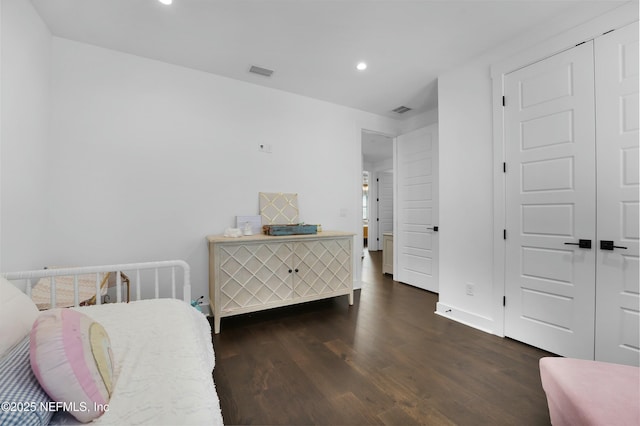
(118, 268)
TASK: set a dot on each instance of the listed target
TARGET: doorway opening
(365, 208)
(377, 193)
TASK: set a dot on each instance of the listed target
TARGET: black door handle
(608, 245)
(434, 229)
(585, 244)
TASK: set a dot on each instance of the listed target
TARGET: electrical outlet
(470, 289)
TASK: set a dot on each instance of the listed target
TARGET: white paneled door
(416, 242)
(385, 205)
(572, 201)
(550, 203)
(617, 294)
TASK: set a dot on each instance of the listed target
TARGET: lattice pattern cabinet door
(322, 267)
(254, 275)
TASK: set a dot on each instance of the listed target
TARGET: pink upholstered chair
(581, 392)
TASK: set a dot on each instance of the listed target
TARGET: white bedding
(163, 359)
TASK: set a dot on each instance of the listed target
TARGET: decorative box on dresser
(257, 272)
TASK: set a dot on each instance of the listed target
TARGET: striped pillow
(71, 357)
(23, 401)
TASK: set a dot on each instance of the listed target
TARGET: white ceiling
(314, 45)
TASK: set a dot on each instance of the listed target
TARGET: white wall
(467, 170)
(466, 201)
(26, 102)
(150, 158)
(418, 121)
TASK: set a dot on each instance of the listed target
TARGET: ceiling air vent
(401, 110)
(262, 71)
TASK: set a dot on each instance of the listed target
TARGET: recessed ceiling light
(167, 2)
(361, 66)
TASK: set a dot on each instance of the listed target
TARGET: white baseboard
(467, 318)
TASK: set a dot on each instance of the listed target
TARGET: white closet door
(618, 283)
(416, 244)
(550, 203)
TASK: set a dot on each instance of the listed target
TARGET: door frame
(614, 19)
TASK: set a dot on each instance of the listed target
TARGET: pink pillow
(71, 357)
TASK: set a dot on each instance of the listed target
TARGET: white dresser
(257, 272)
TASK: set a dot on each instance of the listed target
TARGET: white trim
(395, 206)
(467, 318)
(499, 207)
(614, 19)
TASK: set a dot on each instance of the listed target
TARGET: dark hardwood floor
(388, 359)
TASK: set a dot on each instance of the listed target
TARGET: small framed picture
(255, 222)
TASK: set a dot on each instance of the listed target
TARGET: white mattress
(163, 359)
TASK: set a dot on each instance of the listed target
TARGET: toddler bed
(151, 360)
(64, 294)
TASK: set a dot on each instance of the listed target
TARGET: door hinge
(504, 167)
(504, 101)
(504, 300)
(377, 180)
(378, 199)
(377, 219)
(504, 234)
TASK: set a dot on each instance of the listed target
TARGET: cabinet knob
(297, 270)
(290, 271)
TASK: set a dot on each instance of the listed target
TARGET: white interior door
(618, 283)
(415, 241)
(550, 203)
(385, 205)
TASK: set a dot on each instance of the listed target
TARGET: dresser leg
(216, 323)
(351, 298)
(216, 317)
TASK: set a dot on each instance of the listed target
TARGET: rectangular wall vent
(262, 71)
(401, 109)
